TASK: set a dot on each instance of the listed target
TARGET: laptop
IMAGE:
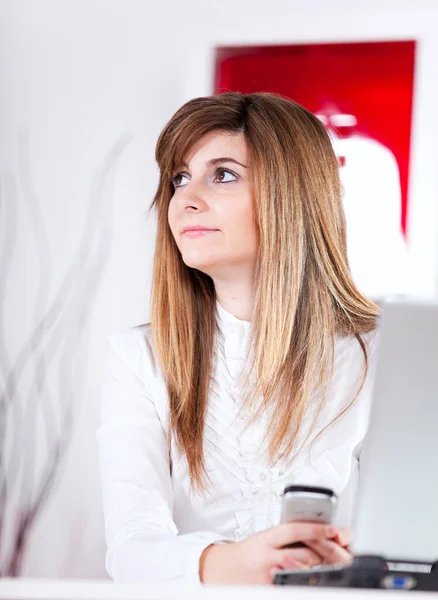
(396, 513)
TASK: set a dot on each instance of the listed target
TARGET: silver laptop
(397, 507)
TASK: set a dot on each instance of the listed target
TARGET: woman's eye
(225, 176)
(221, 175)
(177, 181)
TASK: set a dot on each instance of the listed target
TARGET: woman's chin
(200, 265)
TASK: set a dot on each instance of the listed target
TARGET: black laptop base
(366, 572)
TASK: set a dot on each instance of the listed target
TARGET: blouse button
(262, 477)
(277, 471)
(254, 489)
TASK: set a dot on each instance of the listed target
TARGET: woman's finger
(299, 531)
(344, 537)
(305, 557)
(274, 570)
(330, 552)
(293, 564)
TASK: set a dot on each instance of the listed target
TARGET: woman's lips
(194, 233)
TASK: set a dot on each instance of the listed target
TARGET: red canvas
(372, 81)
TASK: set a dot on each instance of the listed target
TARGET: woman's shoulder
(351, 363)
(134, 346)
(131, 339)
(132, 382)
(349, 349)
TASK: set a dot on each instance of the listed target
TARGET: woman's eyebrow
(215, 161)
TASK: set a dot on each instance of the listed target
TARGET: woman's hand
(255, 559)
(334, 551)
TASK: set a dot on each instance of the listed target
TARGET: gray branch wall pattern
(40, 389)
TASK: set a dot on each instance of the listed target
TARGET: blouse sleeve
(368, 390)
(143, 544)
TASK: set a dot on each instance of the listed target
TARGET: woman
(254, 372)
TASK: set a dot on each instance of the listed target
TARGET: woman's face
(213, 190)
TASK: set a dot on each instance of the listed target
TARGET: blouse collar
(228, 323)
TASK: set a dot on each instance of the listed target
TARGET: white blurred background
(86, 86)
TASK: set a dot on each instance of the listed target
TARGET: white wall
(80, 77)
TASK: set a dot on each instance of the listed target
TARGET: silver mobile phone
(308, 503)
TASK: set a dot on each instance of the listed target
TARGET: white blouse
(155, 527)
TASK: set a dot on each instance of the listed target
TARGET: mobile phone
(308, 503)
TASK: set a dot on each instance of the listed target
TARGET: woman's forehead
(216, 144)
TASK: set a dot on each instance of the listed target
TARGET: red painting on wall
(360, 90)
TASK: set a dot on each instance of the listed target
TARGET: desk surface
(64, 589)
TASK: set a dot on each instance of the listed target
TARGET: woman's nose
(193, 195)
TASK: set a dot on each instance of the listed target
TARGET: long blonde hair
(304, 292)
